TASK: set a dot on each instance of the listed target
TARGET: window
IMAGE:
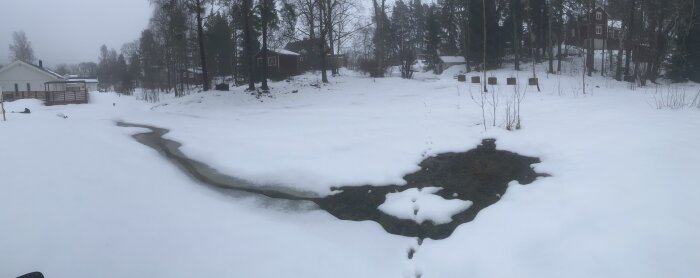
(271, 61)
(598, 30)
(599, 16)
(16, 88)
(301, 58)
(29, 87)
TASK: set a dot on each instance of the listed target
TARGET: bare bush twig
(674, 98)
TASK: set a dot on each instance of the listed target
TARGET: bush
(369, 66)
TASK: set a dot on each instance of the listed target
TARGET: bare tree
(21, 48)
(346, 22)
(322, 41)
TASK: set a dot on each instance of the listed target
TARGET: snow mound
(451, 71)
(422, 204)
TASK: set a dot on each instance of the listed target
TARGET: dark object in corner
(32, 275)
(222, 87)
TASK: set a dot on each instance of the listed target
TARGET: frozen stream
(479, 176)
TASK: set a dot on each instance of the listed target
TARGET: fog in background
(71, 31)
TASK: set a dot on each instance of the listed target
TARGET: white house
(19, 77)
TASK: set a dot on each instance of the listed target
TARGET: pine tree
(432, 40)
(220, 45)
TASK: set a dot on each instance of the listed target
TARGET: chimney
(41, 64)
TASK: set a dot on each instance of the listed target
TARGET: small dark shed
(282, 63)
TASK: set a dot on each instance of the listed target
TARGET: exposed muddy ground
(480, 175)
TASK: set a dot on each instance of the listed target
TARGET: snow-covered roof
(452, 59)
(89, 80)
(50, 71)
(286, 52)
(35, 67)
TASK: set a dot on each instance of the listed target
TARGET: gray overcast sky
(71, 31)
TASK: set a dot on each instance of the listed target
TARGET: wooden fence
(66, 97)
(50, 98)
(11, 96)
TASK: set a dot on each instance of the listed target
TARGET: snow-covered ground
(80, 198)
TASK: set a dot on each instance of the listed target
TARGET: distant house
(193, 76)
(445, 62)
(21, 80)
(309, 51)
(91, 84)
(281, 63)
(595, 26)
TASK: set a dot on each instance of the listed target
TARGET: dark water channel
(480, 175)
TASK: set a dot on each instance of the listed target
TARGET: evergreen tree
(219, 45)
(151, 60)
(477, 35)
(432, 39)
(692, 45)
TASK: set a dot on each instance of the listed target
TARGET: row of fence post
(494, 80)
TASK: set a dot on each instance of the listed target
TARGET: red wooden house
(596, 26)
(281, 63)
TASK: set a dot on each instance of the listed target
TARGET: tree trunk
(549, 36)
(532, 42)
(560, 34)
(247, 6)
(329, 28)
(465, 35)
(517, 26)
(605, 42)
(379, 39)
(590, 55)
(234, 58)
(322, 41)
(483, 6)
(264, 19)
(628, 42)
(202, 51)
(618, 68)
